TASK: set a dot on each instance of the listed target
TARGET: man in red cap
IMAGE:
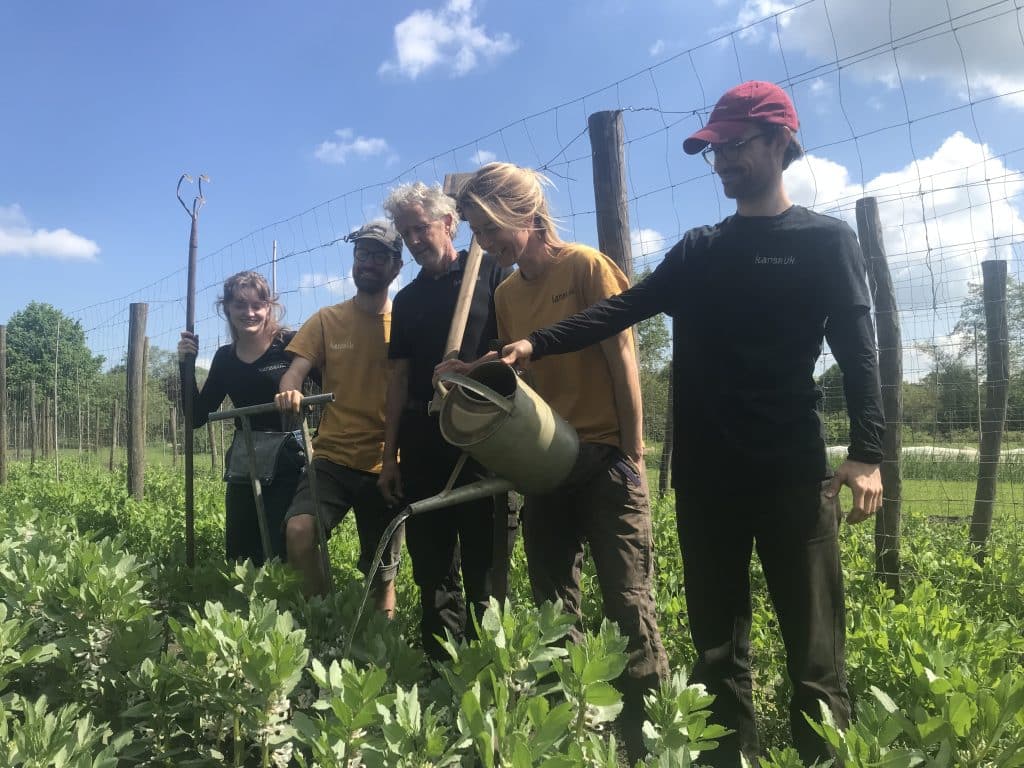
(752, 298)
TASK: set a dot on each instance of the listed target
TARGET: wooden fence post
(136, 399)
(997, 388)
(607, 135)
(3, 404)
(890, 369)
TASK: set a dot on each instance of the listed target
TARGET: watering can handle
(476, 388)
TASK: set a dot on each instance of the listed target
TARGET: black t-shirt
(421, 315)
(752, 299)
(245, 383)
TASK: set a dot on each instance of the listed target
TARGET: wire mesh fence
(874, 122)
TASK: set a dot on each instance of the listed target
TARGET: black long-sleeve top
(751, 300)
(246, 384)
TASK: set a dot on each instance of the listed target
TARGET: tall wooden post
(189, 370)
(3, 404)
(890, 370)
(136, 399)
(607, 136)
(997, 388)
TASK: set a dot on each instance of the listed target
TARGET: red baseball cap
(754, 101)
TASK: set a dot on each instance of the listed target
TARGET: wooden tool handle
(464, 301)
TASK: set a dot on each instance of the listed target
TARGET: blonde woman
(248, 371)
(604, 503)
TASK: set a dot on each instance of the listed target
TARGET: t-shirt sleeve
(400, 345)
(308, 342)
(600, 278)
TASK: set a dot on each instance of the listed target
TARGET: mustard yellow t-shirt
(350, 347)
(578, 386)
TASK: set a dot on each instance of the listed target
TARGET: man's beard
(370, 283)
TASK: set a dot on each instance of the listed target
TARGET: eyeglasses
(730, 150)
(377, 257)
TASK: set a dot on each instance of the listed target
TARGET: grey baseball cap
(382, 232)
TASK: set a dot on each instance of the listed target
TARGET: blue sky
(304, 114)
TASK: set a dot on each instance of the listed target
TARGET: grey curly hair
(434, 201)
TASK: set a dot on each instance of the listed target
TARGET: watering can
(499, 420)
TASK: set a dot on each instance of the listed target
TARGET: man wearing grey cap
(348, 343)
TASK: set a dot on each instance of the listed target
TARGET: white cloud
(646, 242)
(18, 238)
(448, 38)
(348, 144)
(657, 48)
(993, 51)
(941, 216)
(483, 157)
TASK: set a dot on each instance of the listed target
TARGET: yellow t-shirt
(578, 386)
(350, 347)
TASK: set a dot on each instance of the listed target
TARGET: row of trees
(48, 349)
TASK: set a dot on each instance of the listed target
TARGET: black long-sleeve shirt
(751, 300)
(246, 384)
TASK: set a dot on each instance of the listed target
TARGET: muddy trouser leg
(716, 537)
(617, 524)
(797, 542)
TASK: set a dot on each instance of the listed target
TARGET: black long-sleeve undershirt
(751, 302)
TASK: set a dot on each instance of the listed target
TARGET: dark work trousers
(445, 541)
(795, 530)
(242, 529)
(604, 503)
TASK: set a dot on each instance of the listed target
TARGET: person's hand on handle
(289, 401)
(389, 482)
(517, 354)
(865, 480)
(188, 346)
(454, 365)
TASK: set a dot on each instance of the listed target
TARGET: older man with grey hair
(459, 538)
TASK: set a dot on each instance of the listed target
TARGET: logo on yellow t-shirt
(563, 295)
